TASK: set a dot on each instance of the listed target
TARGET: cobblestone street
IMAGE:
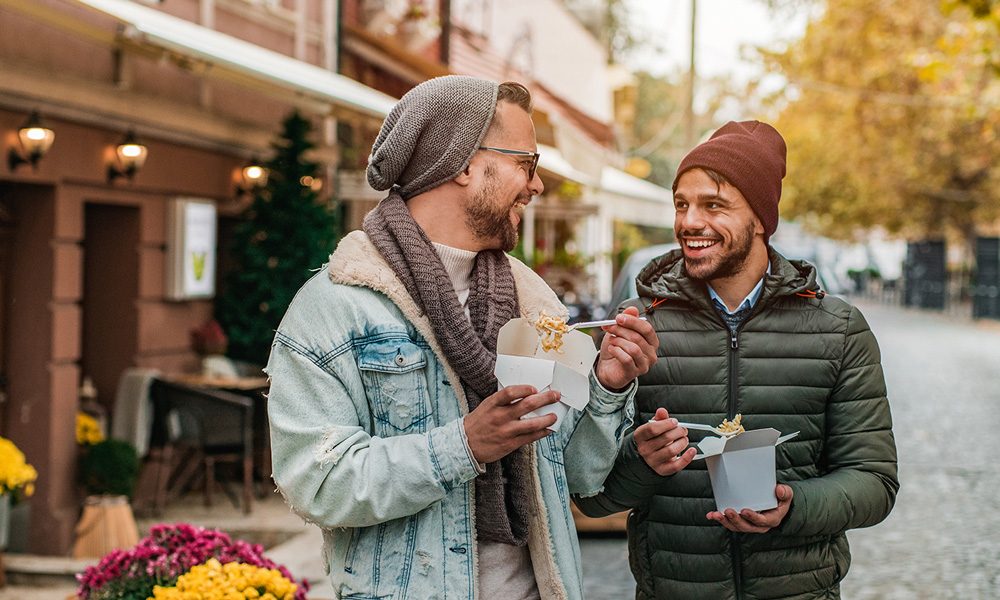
(941, 540)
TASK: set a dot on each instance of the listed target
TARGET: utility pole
(689, 112)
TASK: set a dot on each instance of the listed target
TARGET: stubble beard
(729, 264)
(489, 219)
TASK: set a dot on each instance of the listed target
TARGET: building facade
(202, 86)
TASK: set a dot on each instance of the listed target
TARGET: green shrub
(109, 467)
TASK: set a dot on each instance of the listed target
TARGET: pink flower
(168, 552)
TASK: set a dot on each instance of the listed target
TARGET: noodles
(732, 427)
(551, 330)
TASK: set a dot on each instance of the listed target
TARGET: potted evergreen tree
(108, 471)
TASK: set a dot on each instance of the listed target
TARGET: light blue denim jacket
(367, 439)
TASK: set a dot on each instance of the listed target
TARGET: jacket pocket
(394, 374)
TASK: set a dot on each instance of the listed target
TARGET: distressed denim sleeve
(330, 470)
(595, 436)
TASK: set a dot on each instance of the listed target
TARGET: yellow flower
(88, 431)
(231, 581)
(15, 472)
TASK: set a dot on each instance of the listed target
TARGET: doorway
(7, 225)
(110, 296)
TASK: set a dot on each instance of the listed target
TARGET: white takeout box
(742, 468)
(521, 361)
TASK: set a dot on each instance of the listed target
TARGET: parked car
(624, 285)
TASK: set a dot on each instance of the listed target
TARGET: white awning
(619, 182)
(148, 26)
(551, 160)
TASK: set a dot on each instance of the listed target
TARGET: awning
(619, 182)
(147, 26)
(551, 160)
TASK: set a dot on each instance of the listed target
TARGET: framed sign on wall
(191, 238)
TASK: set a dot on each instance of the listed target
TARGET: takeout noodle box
(742, 468)
(522, 361)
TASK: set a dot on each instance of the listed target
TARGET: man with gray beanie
(748, 332)
(387, 428)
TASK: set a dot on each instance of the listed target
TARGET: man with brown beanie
(387, 428)
(746, 331)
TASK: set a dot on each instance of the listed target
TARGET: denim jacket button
(458, 549)
(400, 360)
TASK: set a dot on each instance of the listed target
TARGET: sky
(724, 29)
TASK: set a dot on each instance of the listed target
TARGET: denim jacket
(367, 439)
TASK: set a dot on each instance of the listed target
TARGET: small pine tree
(285, 234)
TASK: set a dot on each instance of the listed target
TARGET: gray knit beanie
(431, 134)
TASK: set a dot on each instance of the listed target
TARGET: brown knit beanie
(431, 134)
(751, 156)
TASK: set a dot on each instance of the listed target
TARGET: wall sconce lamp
(130, 155)
(35, 139)
(253, 176)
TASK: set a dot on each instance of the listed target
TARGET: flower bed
(184, 561)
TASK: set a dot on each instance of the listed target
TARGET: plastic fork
(714, 430)
(591, 324)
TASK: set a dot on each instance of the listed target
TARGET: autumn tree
(892, 118)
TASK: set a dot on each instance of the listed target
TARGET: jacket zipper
(734, 346)
(734, 543)
(737, 557)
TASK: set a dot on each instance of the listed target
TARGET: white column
(300, 29)
(330, 40)
(528, 242)
(603, 245)
(207, 17)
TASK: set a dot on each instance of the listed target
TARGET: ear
(464, 178)
(758, 227)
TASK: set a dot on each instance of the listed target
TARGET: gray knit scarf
(503, 501)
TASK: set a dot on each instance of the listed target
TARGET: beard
(727, 263)
(488, 217)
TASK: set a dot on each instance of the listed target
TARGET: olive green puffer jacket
(806, 363)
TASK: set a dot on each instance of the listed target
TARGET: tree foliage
(892, 119)
(286, 233)
(658, 134)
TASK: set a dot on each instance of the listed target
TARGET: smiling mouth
(700, 244)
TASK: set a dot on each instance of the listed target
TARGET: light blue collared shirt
(751, 298)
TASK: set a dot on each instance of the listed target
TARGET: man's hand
(495, 428)
(661, 442)
(629, 350)
(748, 521)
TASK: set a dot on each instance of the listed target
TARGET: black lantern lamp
(35, 140)
(130, 155)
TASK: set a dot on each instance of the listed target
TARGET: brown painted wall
(85, 290)
(89, 292)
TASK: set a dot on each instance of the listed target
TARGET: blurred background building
(114, 110)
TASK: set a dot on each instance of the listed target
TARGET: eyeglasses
(530, 165)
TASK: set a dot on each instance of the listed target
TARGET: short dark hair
(513, 93)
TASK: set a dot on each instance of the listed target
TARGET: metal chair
(197, 428)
